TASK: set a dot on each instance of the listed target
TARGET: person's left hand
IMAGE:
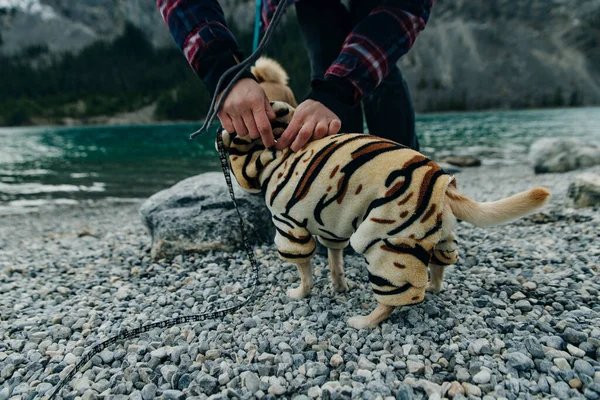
(311, 121)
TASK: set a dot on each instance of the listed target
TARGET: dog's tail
(495, 212)
(269, 70)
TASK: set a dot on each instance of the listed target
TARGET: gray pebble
(518, 361)
(584, 367)
(574, 337)
(149, 391)
(171, 394)
(534, 347)
(560, 389)
(207, 383)
(250, 381)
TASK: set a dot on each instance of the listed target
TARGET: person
(353, 52)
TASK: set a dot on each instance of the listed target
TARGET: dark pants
(388, 110)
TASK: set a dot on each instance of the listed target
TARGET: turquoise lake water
(41, 165)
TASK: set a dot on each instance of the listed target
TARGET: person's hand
(247, 111)
(311, 121)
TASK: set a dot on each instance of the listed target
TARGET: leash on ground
(132, 333)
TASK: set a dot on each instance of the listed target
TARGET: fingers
(270, 113)
(248, 119)
(226, 122)
(303, 137)
(261, 118)
(321, 130)
(334, 126)
(239, 125)
(289, 134)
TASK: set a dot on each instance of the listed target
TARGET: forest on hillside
(123, 75)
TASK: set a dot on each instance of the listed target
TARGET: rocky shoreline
(519, 316)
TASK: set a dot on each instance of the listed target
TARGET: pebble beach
(518, 318)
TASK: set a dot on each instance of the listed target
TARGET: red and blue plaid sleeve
(378, 42)
(200, 31)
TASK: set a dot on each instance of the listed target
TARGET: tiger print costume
(385, 199)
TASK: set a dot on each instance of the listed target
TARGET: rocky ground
(519, 316)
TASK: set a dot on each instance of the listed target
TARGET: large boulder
(197, 215)
(584, 191)
(562, 155)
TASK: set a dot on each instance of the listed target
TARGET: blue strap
(257, 24)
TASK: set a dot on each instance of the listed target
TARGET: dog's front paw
(432, 288)
(359, 322)
(339, 286)
(298, 293)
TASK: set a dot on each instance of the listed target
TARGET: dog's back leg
(295, 244)
(445, 253)
(398, 275)
(335, 256)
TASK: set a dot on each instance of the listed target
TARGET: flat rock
(584, 191)
(196, 215)
(462, 161)
(562, 155)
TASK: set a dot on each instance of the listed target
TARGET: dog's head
(247, 156)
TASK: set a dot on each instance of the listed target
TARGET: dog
(273, 79)
(391, 203)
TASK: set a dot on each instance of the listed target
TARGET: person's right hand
(247, 111)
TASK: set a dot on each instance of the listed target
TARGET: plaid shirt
(376, 43)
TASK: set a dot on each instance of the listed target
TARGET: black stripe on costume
(379, 281)
(331, 234)
(302, 224)
(350, 168)
(437, 261)
(286, 180)
(281, 161)
(281, 113)
(371, 244)
(422, 207)
(240, 141)
(398, 290)
(318, 161)
(276, 218)
(433, 230)
(419, 252)
(252, 181)
(342, 240)
(293, 238)
(294, 256)
(406, 173)
(278, 124)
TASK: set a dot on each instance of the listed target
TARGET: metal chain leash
(132, 333)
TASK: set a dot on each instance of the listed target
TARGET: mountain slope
(472, 55)
(500, 53)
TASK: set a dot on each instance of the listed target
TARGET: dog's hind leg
(295, 244)
(306, 281)
(398, 276)
(444, 253)
(378, 315)
(335, 256)
(336, 269)
(436, 278)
